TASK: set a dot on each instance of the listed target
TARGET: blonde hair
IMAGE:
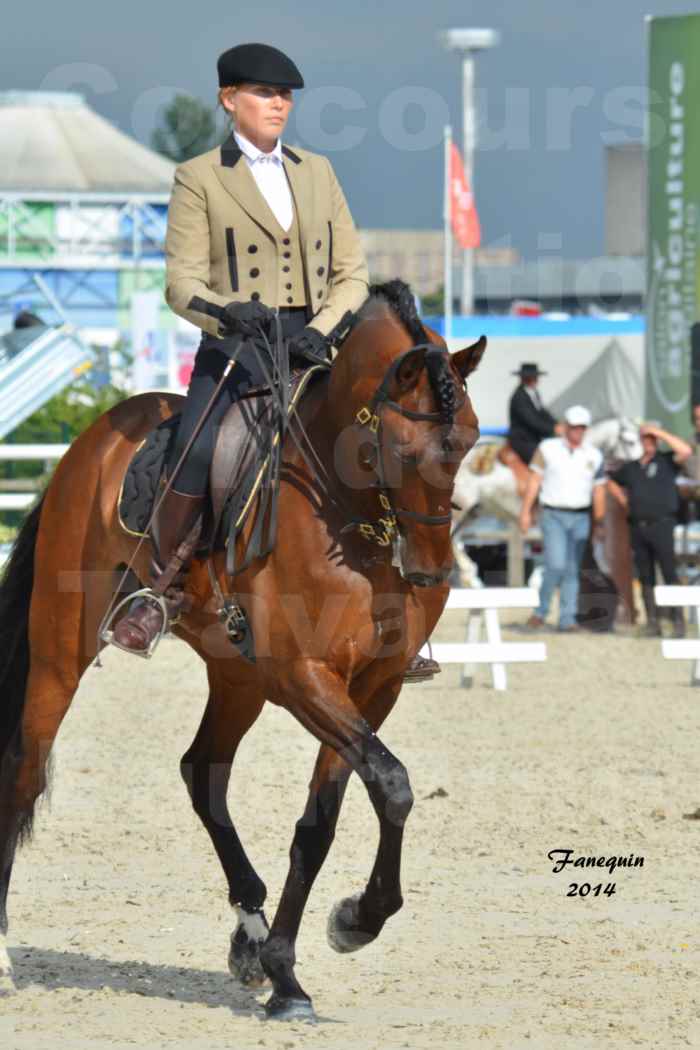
(225, 92)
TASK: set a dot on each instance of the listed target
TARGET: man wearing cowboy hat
(530, 422)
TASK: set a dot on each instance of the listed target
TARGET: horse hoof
(278, 1008)
(343, 931)
(244, 955)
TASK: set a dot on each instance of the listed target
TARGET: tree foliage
(434, 302)
(188, 128)
(66, 415)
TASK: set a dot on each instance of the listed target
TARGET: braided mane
(398, 295)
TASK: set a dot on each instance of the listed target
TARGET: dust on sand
(119, 920)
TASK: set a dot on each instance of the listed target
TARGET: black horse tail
(15, 596)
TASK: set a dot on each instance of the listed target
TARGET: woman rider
(252, 225)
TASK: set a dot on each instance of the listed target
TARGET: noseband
(384, 529)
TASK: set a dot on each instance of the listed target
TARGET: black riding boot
(144, 621)
(652, 628)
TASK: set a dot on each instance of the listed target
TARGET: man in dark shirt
(530, 422)
(647, 488)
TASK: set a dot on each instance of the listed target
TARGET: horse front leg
(356, 921)
(350, 744)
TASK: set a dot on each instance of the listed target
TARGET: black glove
(245, 318)
(312, 345)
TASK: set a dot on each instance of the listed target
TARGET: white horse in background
(485, 486)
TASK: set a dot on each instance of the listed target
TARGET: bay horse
(353, 587)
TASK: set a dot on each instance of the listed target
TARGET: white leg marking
(255, 927)
(246, 941)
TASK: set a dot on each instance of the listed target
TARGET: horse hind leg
(60, 646)
(24, 777)
(45, 630)
(206, 769)
(313, 837)
(15, 601)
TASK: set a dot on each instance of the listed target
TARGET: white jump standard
(483, 604)
(682, 648)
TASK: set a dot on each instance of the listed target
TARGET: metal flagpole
(447, 264)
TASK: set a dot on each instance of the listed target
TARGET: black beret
(257, 64)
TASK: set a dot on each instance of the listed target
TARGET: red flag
(465, 221)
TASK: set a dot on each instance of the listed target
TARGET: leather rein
(384, 529)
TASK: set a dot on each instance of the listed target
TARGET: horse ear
(468, 360)
(409, 371)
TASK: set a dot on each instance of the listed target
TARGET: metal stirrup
(106, 632)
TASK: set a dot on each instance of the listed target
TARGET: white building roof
(53, 141)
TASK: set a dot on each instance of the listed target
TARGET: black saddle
(237, 477)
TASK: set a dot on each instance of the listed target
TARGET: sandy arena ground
(119, 921)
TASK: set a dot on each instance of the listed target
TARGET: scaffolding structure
(83, 213)
(95, 253)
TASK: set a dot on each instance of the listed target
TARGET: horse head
(617, 438)
(405, 423)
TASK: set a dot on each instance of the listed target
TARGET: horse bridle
(384, 530)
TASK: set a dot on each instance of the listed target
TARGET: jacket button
(255, 296)
(318, 244)
(319, 295)
(289, 299)
(255, 272)
(287, 255)
(252, 248)
(286, 241)
(288, 286)
(285, 269)
(321, 270)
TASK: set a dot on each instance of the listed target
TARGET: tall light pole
(468, 42)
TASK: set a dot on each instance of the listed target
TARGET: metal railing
(15, 453)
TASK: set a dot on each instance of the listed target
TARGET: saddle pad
(143, 474)
(142, 481)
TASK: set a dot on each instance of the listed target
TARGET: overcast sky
(566, 78)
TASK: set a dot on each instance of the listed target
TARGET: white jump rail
(682, 648)
(485, 602)
(17, 500)
(15, 453)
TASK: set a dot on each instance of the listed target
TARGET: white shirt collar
(252, 152)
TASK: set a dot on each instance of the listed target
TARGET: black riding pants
(193, 475)
(652, 544)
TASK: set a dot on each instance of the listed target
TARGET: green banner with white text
(673, 267)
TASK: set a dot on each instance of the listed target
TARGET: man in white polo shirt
(567, 473)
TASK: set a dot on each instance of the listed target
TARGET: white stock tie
(272, 182)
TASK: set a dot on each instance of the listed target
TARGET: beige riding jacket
(224, 244)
